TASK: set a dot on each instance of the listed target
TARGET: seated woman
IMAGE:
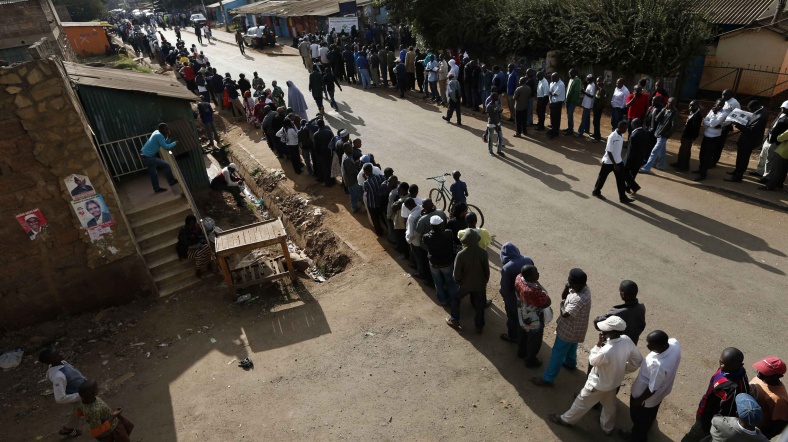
(192, 244)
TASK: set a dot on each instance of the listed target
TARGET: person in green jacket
(573, 99)
(471, 272)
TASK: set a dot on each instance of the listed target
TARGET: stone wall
(46, 139)
(24, 23)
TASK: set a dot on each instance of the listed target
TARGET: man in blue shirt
(511, 85)
(158, 139)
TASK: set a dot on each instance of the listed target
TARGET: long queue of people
(448, 253)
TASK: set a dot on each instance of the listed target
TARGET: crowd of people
(448, 251)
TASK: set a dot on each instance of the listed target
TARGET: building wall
(87, 40)
(737, 51)
(61, 271)
(24, 23)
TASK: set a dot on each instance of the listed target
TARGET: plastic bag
(11, 359)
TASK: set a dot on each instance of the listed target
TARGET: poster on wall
(342, 23)
(92, 212)
(33, 223)
(79, 186)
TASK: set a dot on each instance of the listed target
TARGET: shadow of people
(705, 233)
(549, 180)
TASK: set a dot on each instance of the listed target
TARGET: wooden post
(228, 278)
(289, 261)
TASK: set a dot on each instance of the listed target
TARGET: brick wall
(46, 139)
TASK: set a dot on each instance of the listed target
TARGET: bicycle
(439, 196)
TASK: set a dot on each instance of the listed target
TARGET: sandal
(71, 433)
(505, 337)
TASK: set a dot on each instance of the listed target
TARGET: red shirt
(188, 73)
(529, 294)
(638, 107)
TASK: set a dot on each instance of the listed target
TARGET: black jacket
(752, 134)
(440, 248)
(780, 125)
(692, 127)
(640, 145)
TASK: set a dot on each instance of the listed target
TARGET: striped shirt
(371, 190)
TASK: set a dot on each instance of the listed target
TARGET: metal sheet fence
(122, 157)
(767, 85)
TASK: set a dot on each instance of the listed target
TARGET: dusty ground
(366, 355)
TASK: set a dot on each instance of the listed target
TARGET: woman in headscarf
(249, 107)
(454, 69)
(296, 101)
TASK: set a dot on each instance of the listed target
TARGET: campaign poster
(342, 24)
(33, 223)
(92, 212)
(79, 186)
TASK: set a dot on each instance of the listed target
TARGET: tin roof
(733, 12)
(80, 24)
(126, 80)
(293, 8)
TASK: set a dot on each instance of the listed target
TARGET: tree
(84, 10)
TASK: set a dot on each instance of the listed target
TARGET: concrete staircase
(156, 230)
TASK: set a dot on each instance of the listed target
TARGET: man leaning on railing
(149, 152)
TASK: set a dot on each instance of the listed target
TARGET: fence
(122, 157)
(706, 82)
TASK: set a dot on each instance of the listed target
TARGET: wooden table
(245, 239)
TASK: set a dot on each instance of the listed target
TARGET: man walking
(494, 124)
(573, 99)
(653, 383)
(751, 136)
(512, 263)
(316, 86)
(158, 139)
(453, 94)
(472, 272)
(611, 162)
(726, 383)
(690, 134)
(557, 96)
(306, 54)
(440, 253)
(664, 124)
(571, 327)
(521, 98)
(239, 39)
(612, 358)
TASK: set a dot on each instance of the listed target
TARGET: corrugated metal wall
(115, 115)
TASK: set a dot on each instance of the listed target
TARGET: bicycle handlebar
(436, 178)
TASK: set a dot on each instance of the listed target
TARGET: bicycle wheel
(479, 214)
(438, 198)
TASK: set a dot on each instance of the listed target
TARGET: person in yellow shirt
(471, 219)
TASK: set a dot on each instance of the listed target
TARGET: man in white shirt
(614, 356)
(66, 381)
(315, 48)
(618, 102)
(612, 162)
(653, 384)
(542, 99)
(712, 138)
(587, 104)
(557, 93)
(323, 51)
(729, 105)
(229, 180)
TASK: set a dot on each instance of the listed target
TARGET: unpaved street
(369, 356)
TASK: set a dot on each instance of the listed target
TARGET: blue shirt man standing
(158, 139)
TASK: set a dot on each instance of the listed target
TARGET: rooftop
(733, 12)
(293, 8)
(126, 80)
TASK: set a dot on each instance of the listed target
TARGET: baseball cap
(748, 409)
(770, 366)
(784, 105)
(436, 220)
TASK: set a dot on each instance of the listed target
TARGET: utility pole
(224, 16)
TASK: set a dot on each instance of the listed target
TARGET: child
(459, 190)
(66, 381)
(105, 425)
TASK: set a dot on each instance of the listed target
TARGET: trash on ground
(213, 341)
(11, 359)
(243, 298)
(246, 364)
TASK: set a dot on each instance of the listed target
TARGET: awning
(293, 8)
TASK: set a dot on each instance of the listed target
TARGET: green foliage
(84, 10)
(633, 36)
(129, 64)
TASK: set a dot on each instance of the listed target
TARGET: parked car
(259, 36)
(197, 20)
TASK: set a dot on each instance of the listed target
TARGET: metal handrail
(122, 157)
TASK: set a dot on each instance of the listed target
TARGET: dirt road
(368, 356)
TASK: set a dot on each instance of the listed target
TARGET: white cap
(613, 323)
(232, 166)
(436, 220)
(30, 216)
(343, 133)
(784, 105)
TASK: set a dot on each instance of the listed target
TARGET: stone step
(161, 234)
(174, 274)
(175, 287)
(159, 250)
(170, 264)
(161, 205)
(174, 213)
